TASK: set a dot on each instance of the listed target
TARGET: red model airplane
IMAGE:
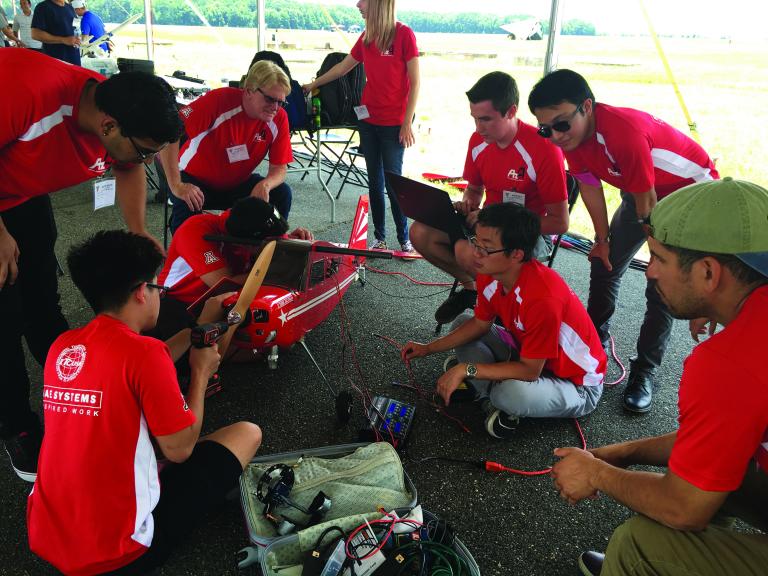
(304, 283)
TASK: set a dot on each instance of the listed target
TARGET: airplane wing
(91, 46)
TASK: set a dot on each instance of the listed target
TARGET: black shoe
(23, 451)
(638, 395)
(591, 563)
(455, 305)
(465, 392)
(501, 425)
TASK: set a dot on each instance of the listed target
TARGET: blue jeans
(627, 236)
(383, 151)
(280, 197)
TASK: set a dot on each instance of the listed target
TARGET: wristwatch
(471, 370)
(605, 240)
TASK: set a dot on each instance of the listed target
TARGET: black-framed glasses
(482, 249)
(163, 290)
(144, 153)
(270, 100)
(545, 131)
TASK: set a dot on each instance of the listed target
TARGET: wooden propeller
(248, 293)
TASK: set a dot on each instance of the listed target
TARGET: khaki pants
(642, 546)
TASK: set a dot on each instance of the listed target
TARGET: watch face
(471, 370)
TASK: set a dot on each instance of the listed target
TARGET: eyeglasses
(163, 290)
(145, 153)
(271, 101)
(482, 249)
(545, 131)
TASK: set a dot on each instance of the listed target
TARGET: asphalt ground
(512, 524)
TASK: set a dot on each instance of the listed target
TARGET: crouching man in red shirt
(545, 360)
(709, 261)
(97, 504)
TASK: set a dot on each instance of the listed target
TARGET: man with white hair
(229, 132)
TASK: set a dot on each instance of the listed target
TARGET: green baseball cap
(719, 216)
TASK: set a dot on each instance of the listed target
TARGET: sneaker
(501, 425)
(23, 451)
(455, 305)
(379, 245)
(407, 248)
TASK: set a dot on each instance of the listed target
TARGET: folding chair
(354, 175)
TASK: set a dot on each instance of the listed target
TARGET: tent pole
(261, 32)
(555, 24)
(148, 29)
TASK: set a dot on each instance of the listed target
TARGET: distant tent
(529, 29)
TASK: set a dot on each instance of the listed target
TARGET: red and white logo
(186, 111)
(210, 257)
(516, 174)
(70, 362)
(98, 166)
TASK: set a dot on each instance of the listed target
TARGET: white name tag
(237, 153)
(103, 193)
(362, 112)
(514, 197)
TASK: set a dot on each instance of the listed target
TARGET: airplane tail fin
(359, 236)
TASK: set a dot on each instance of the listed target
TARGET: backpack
(338, 98)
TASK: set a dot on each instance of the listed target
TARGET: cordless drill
(205, 335)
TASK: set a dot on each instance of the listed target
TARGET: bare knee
(243, 439)
(420, 235)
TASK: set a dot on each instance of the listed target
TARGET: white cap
(78, 3)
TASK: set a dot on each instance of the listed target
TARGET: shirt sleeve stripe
(45, 125)
(194, 143)
(528, 160)
(678, 165)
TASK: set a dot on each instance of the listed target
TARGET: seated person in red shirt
(506, 162)
(194, 264)
(98, 503)
(709, 261)
(229, 132)
(545, 360)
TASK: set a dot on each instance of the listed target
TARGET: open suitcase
(359, 479)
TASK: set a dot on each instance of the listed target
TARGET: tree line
(292, 15)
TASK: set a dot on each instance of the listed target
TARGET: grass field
(723, 83)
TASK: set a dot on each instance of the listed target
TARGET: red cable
(396, 273)
(419, 391)
(491, 466)
(616, 358)
(389, 519)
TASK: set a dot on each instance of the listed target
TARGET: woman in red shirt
(387, 49)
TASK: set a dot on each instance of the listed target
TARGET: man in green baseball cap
(709, 257)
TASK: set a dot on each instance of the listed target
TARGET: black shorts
(190, 492)
(465, 231)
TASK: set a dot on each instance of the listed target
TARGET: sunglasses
(144, 154)
(545, 131)
(271, 101)
(162, 289)
(482, 249)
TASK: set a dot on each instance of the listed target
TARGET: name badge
(362, 112)
(103, 193)
(237, 153)
(514, 197)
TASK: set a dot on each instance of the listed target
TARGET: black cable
(327, 531)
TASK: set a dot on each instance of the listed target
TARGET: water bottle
(316, 111)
